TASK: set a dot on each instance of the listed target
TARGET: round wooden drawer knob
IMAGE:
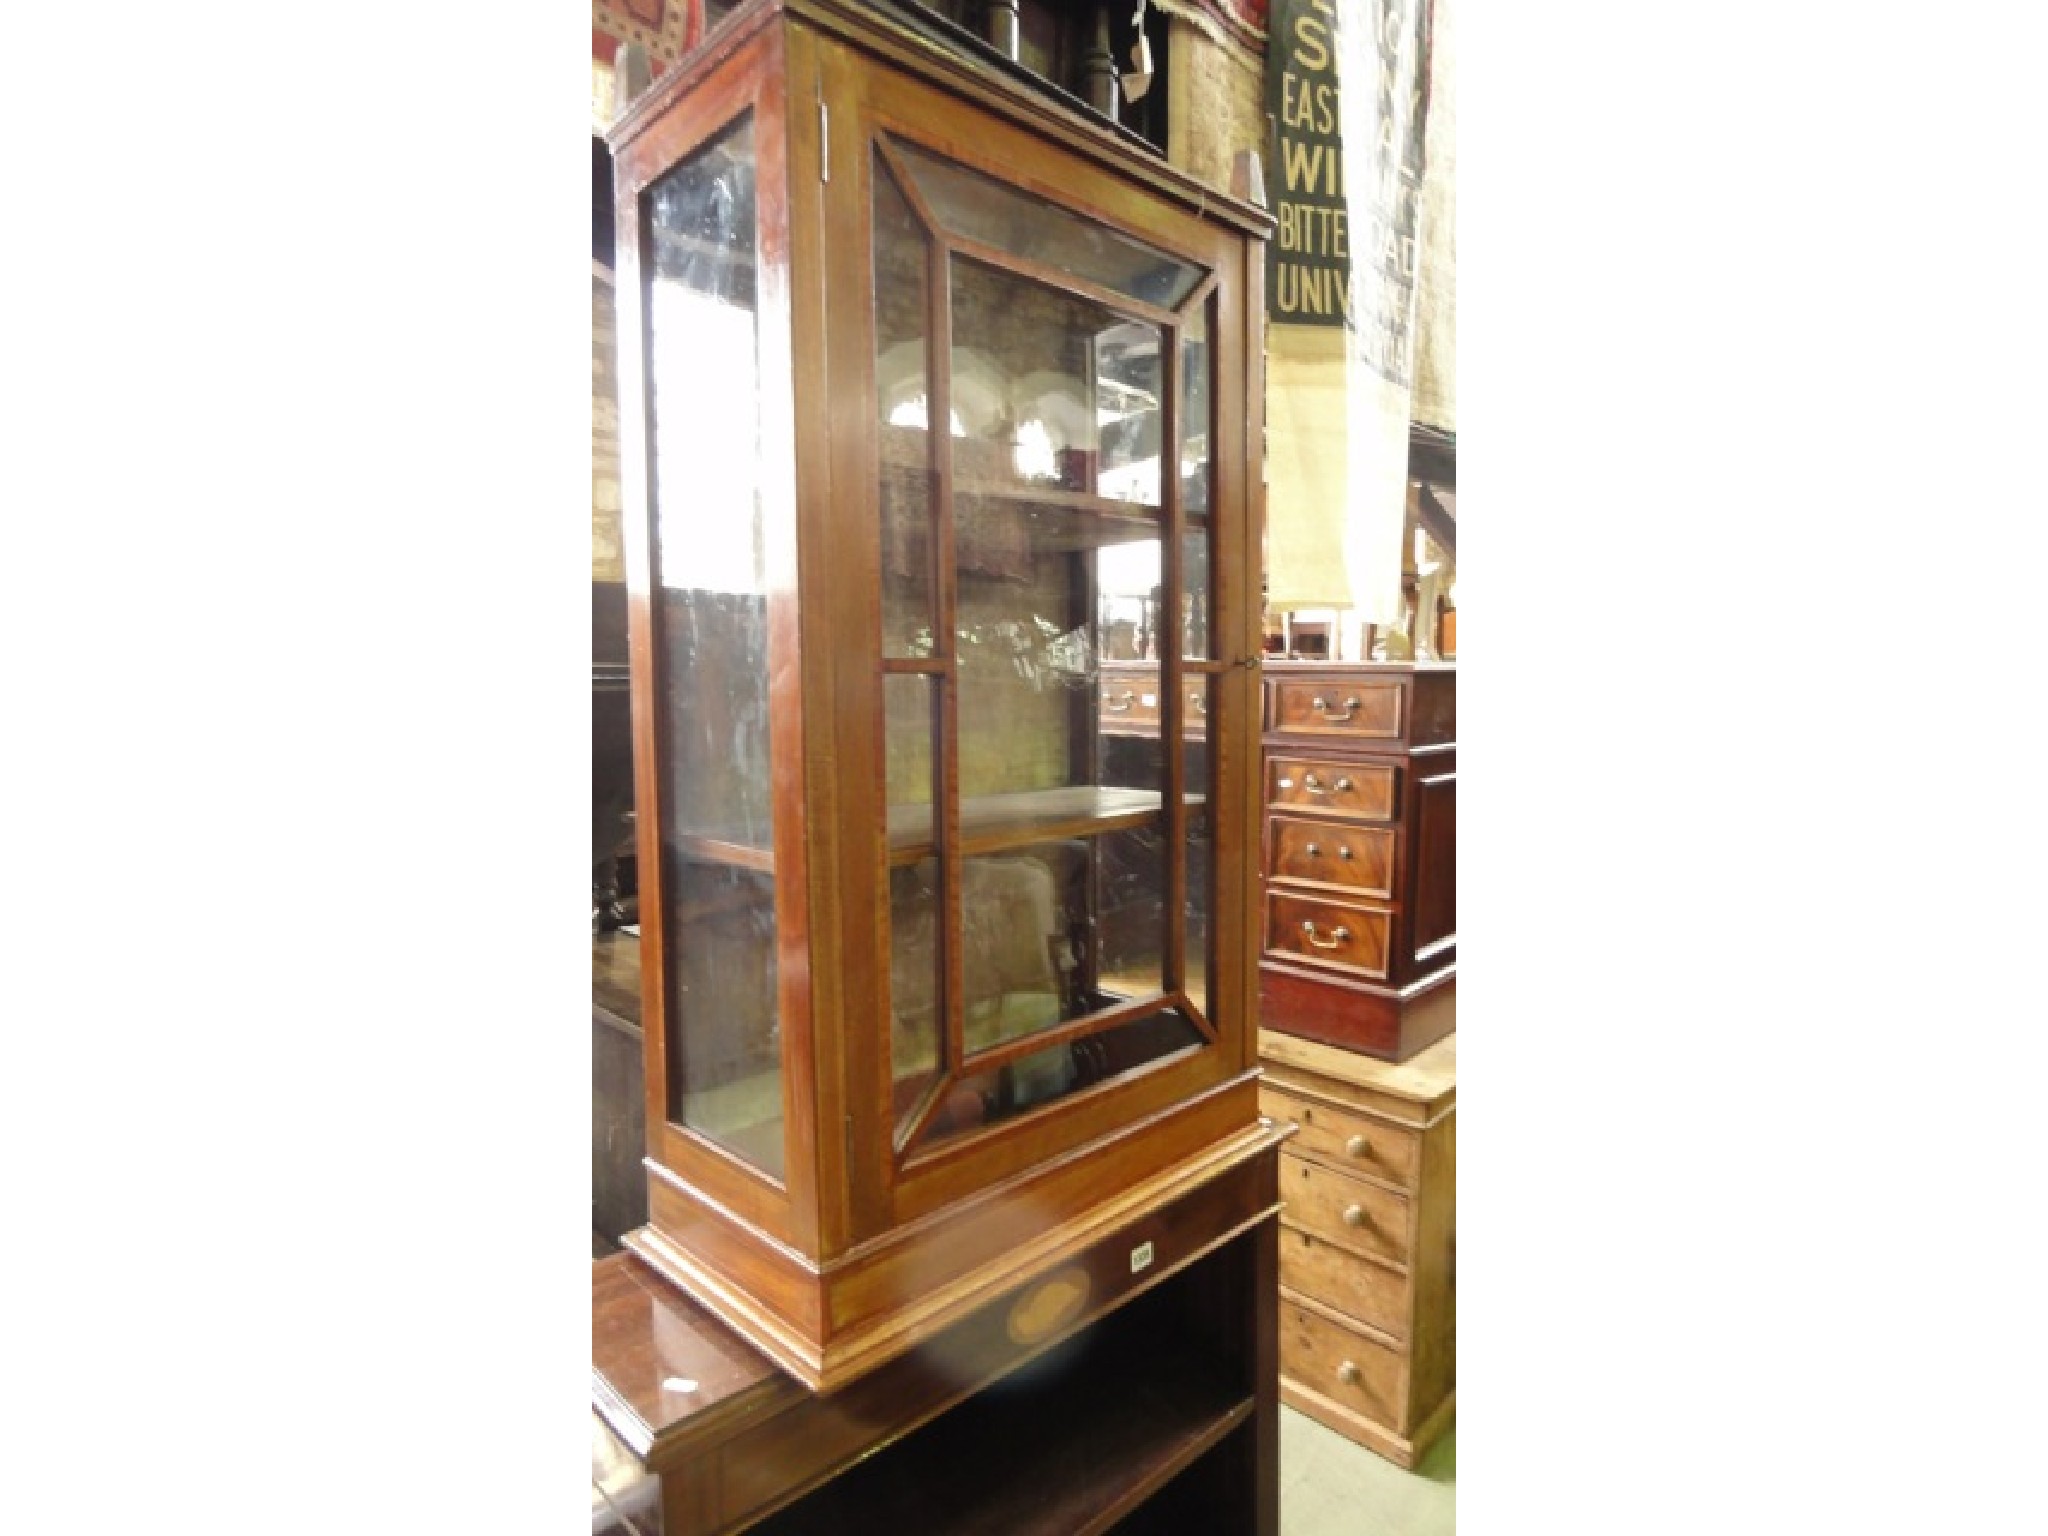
(1357, 1146)
(1348, 1374)
(1354, 1215)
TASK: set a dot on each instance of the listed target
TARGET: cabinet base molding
(892, 1296)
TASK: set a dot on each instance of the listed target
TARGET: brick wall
(607, 561)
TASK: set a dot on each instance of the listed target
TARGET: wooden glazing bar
(1173, 697)
(945, 624)
(1075, 286)
(1099, 1022)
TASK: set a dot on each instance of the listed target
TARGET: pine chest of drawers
(1368, 1232)
(1360, 912)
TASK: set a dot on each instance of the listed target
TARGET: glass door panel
(903, 391)
(1061, 779)
(987, 213)
(917, 986)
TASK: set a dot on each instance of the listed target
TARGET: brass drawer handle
(1313, 851)
(1343, 851)
(1314, 785)
(1357, 1146)
(1349, 1374)
(1337, 935)
(1120, 704)
(1354, 1215)
(1322, 707)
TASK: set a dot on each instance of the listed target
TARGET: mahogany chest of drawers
(1368, 1233)
(1360, 918)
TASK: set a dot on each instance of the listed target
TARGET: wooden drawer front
(1357, 1287)
(1356, 709)
(1332, 853)
(1351, 1141)
(1130, 703)
(1347, 1212)
(1346, 1367)
(1327, 933)
(1356, 789)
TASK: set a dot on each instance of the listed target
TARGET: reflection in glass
(969, 204)
(707, 480)
(916, 985)
(712, 618)
(1130, 895)
(903, 388)
(1022, 917)
(1200, 896)
(1196, 472)
(1126, 370)
(1116, 1051)
(1060, 1070)
(1129, 588)
(725, 1064)
(1053, 392)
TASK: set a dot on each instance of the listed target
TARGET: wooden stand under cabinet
(1368, 1309)
(1133, 1389)
(1360, 855)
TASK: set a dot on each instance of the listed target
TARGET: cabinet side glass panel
(711, 612)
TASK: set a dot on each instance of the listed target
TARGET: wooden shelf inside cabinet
(1066, 520)
(1086, 1434)
(991, 823)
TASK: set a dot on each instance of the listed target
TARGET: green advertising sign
(1344, 251)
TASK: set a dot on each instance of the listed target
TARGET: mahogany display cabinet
(931, 382)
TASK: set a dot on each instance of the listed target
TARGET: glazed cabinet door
(1043, 642)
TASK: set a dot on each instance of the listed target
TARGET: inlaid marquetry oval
(1049, 1305)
